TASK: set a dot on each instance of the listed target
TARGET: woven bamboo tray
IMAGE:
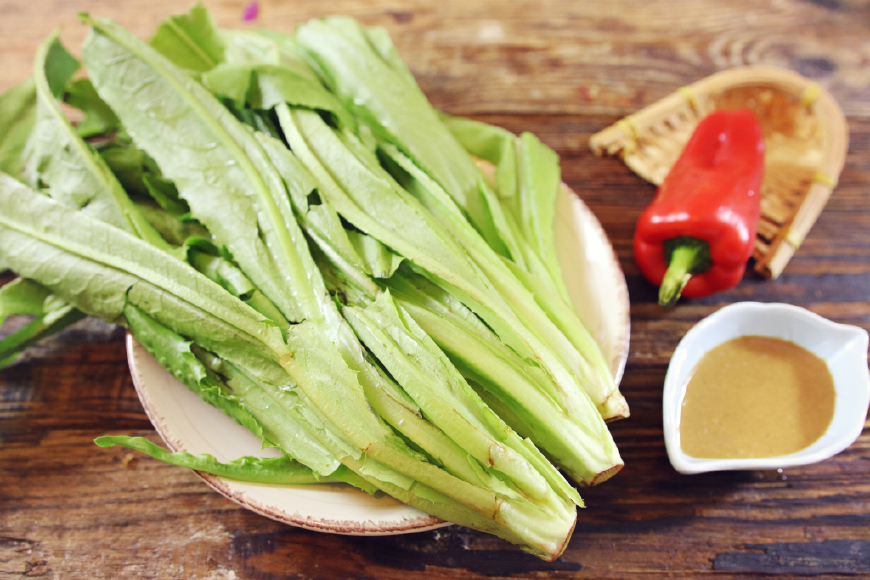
(805, 135)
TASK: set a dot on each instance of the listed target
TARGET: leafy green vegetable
(190, 40)
(43, 326)
(98, 119)
(64, 250)
(217, 165)
(52, 238)
(293, 232)
(395, 110)
(521, 394)
(165, 194)
(17, 117)
(26, 297)
(385, 97)
(367, 196)
(324, 227)
(275, 470)
(175, 354)
(325, 362)
(263, 85)
(60, 160)
(586, 450)
(206, 258)
(427, 376)
(581, 445)
(22, 297)
(527, 176)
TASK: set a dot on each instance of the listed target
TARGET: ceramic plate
(597, 287)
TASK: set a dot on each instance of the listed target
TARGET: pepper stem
(686, 256)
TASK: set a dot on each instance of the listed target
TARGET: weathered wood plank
(563, 71)
(553, 57)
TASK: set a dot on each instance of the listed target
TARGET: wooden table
(563, 70)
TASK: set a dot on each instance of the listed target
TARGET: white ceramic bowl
(842, 347)
(597, 287)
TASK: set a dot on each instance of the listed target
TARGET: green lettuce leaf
(218, 166)
(442, 394)
(282, 470)
(68, 252)
(175, 354)
(212, 157)
(368, 197)
(580, 443)
(262, 86)
(22, 297)
(98, 119)
(60, 160)
(17, 117)
(296, 375)
(191, 41)
(528, 179)
(385, 97)
(26, 297)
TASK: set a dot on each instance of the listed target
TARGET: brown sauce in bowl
(755, 396)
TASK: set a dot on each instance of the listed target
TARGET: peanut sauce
(755, 396)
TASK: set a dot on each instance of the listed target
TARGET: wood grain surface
(563, 70)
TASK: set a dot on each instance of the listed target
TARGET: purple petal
(251, 11)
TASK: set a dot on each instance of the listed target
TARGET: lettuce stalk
(361, 66)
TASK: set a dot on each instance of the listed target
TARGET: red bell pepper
(697, 235)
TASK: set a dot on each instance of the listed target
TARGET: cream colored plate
(185, 422)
